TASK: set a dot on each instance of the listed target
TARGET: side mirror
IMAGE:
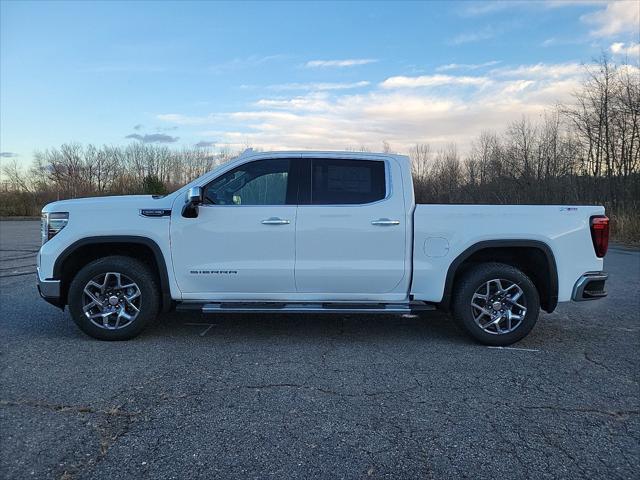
(195, 197)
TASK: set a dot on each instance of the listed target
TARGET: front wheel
(114, 298)
(496, 304)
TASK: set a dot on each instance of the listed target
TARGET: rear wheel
(114, 298)
(496, 304)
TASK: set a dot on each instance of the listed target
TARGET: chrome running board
(304, 308)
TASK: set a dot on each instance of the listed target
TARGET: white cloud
(472, 37)
(311, 102)
(319, 86)
(631, 49)
(351, 62)
(179, 119)
(557, 41)
(474, 8)
(540, 70)
(395, 111)
(616, 18)
(466, 66)
(573, 3)
(480, 8)
(433, 81)
(517, 86)
(251, 61)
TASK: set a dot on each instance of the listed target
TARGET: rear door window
(347, 182)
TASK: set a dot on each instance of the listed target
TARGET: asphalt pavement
(312, 396)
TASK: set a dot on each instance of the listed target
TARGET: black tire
(135, 270)
(476, 277)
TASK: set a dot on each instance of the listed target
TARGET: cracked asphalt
(292, 396)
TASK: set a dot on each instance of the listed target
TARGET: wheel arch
(522, 254)
(85, 250)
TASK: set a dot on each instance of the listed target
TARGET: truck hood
(119, 202)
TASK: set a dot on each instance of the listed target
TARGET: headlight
(52, 223)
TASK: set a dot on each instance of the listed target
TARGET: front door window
(263, 182)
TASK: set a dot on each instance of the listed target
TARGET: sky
(293, 75)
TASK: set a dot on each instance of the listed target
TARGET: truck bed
(442, 233)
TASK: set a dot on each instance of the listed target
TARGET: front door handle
(275, 221)
(385, 222)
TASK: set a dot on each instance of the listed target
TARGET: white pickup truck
(316, 232)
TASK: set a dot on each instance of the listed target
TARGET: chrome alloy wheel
(498, 306)
(111, 300)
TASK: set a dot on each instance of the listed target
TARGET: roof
(250, 153)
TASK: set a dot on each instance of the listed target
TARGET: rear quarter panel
(443, 232)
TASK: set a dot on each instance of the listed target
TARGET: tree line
(584, 152)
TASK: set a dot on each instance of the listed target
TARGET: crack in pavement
(617, 414)
(108, 432)
(599, 364)
(114, 411)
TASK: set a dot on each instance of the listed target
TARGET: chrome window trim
(375, 157)
(210, 205)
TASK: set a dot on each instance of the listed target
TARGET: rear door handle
(385, 222)
(275, 221)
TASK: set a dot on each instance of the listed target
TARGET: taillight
(600, 234)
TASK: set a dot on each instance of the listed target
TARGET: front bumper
(50, 290)
(590, 286)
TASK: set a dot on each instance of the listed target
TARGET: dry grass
(625, 227)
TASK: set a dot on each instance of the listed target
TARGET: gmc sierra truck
(335, 232)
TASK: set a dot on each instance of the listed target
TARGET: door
(242, 244)
(350, 233)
